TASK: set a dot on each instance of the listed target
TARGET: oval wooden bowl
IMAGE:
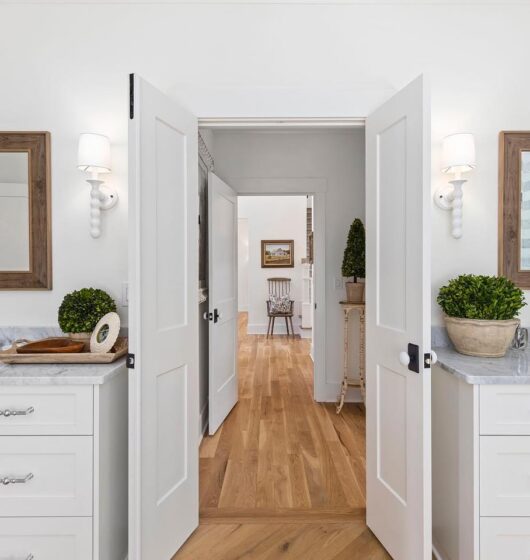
(52, 346)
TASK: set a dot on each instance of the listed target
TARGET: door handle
(215, 316)
(411, 358)
(7, 413)
(6, 480)
(404, 359)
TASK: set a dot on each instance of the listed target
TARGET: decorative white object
(105, 333)
(94, 157)
(458, 156)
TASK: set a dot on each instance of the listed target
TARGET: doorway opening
(283, 454)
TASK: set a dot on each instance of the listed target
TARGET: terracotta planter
(81, 337)
(476, 337)
(355, 292)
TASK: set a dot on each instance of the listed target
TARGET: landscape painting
(277, 254)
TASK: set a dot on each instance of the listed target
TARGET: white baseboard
(242, 309)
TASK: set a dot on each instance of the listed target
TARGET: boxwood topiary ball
(82, 309)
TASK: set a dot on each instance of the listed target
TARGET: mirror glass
(525, 211)
(14, 211)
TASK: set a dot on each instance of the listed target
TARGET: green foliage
(81, 310)
(354, 254)
(481, 297)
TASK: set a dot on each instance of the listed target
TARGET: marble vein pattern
(59, 374)
(511, 369)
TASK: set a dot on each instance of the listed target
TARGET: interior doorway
(280, 456)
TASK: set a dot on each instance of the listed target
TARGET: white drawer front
(504, 538)
(58, 410)
(505, 475)
(46, 538)
(62, 475)
(505, 410)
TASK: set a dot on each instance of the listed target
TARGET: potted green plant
(353, 263)
(81, 310)
(480, 313)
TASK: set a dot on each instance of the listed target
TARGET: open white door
(222, 295)
(398, 312)
(163, 325)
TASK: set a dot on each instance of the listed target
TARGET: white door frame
(302, 186)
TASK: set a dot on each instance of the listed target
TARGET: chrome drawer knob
(6, 480)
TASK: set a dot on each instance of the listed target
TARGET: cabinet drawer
(56, 410)
(505, 475)
(54, 473)
(46, 538)
(505, 410)
(504, 537)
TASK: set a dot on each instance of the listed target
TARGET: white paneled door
(163, 328)
(222, 292)
(398, 323)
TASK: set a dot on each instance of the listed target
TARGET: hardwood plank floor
(284, 477)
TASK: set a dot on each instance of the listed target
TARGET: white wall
(69, 74)
(337, 157)
(271, 217)
(242, 263)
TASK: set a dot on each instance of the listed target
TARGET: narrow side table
(346, 380)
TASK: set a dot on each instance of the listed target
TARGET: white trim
(281, 122)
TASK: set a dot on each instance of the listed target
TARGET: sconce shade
(93, 153)
(458, 153)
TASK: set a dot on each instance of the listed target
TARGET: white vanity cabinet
(481, 458)
(63, 462)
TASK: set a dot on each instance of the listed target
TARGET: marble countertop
(512, 369)
(59, 374)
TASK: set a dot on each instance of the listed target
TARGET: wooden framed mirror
(25, 218)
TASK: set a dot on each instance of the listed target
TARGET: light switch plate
(339, 283)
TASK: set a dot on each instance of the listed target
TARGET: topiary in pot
(82, 309)
(353, 263)
(480, 313)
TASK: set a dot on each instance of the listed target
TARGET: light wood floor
(283, 477)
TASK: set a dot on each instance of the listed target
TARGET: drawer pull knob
(7, 413)
(6, 480)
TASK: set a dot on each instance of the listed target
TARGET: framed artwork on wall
(277, 253)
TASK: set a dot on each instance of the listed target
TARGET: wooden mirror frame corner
(38, 147)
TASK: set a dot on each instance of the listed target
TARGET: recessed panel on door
(171, 220)
(392, 261)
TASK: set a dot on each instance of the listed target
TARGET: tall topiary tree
(353, 262)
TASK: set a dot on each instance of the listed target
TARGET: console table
(347, 307)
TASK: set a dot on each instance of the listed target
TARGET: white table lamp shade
(93, 153)
(458, 153)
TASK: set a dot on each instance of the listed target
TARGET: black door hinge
(414, 355)
(130, 361)
(131, 96)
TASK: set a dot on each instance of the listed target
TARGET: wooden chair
(279, 287)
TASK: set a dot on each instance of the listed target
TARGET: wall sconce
(458, 156)
(94, 157)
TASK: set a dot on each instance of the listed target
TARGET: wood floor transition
(284, 477)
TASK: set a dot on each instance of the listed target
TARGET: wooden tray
(10, 356)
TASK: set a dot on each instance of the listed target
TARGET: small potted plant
(81, 310)
(353, 263)
(480, 313)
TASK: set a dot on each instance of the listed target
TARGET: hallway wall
(272, 217)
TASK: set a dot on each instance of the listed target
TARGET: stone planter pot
(355, 292)
(81, 337)
(476, 337)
